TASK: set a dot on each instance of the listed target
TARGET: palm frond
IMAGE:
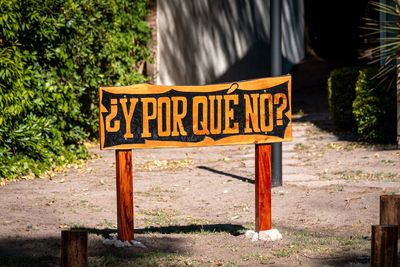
(383, 7)
(389, 43)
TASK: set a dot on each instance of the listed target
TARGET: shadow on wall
(209, 41)
(255, 64)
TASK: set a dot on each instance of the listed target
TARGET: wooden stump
(263, 187)
(123, 162)
(384, 245)
(389, 210)
(74, 248)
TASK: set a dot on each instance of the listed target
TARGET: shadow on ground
(238, 177)
(162, 244)
(233, 229)
(46, 251)
(30, 251)
(241, 178)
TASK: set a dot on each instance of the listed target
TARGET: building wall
(213, 41)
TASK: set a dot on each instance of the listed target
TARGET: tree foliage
(54, 55)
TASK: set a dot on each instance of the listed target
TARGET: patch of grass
(358, 175)
(161, 221)
(252, 226)
(301, 146)
(106, 223)
(161, 190)
(24, 261)
(84, 202)
(316, 131)
(159, 217)
(196, 228)
(347, 146)
(389, 161)
(163, 164)
(302, 242)
(159, 259)
(262, 259)
(156, 191)
(106, 260)
(167, 217)
(73, 225)
(285, 252)
(154, 259)
(146, 193)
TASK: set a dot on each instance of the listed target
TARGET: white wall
(211, 41)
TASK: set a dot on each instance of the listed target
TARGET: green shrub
(54, 55)
(374, 108)
(341, 94)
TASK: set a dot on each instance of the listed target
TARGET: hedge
(359, 101)
(341, 94)
(375, 108)
(54, 54)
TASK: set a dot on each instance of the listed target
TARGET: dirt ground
(193, 205)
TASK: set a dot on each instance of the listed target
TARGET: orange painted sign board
(152, 116)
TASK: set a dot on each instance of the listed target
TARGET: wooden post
(123, 162)
(74, 248)
(389, 210)
(398, 86)
(384, 245)
(263, 187)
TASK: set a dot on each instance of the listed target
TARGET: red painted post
(123, 162)
(263, 187)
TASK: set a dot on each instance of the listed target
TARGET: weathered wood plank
(384, 245)
(389, 209)
(74, 248)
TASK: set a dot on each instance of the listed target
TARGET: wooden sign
(150, 116)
